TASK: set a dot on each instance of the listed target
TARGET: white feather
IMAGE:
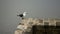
(24, 14)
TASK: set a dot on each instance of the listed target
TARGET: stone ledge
(26, 24)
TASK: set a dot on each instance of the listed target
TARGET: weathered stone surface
(18, 32)
(27, 23)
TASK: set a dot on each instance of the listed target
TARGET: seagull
(22, 15)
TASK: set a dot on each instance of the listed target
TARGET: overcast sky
(36, 9)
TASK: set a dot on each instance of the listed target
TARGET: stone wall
(27, 23)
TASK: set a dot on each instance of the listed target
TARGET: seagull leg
(22, 17)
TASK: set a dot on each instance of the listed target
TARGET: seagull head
(24, 14)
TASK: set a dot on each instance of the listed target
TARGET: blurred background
(36, 9)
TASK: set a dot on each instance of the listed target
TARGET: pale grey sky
(35, 8)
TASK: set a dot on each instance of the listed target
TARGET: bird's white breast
(24, 14)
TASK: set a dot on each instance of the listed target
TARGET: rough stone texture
(27, 23)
